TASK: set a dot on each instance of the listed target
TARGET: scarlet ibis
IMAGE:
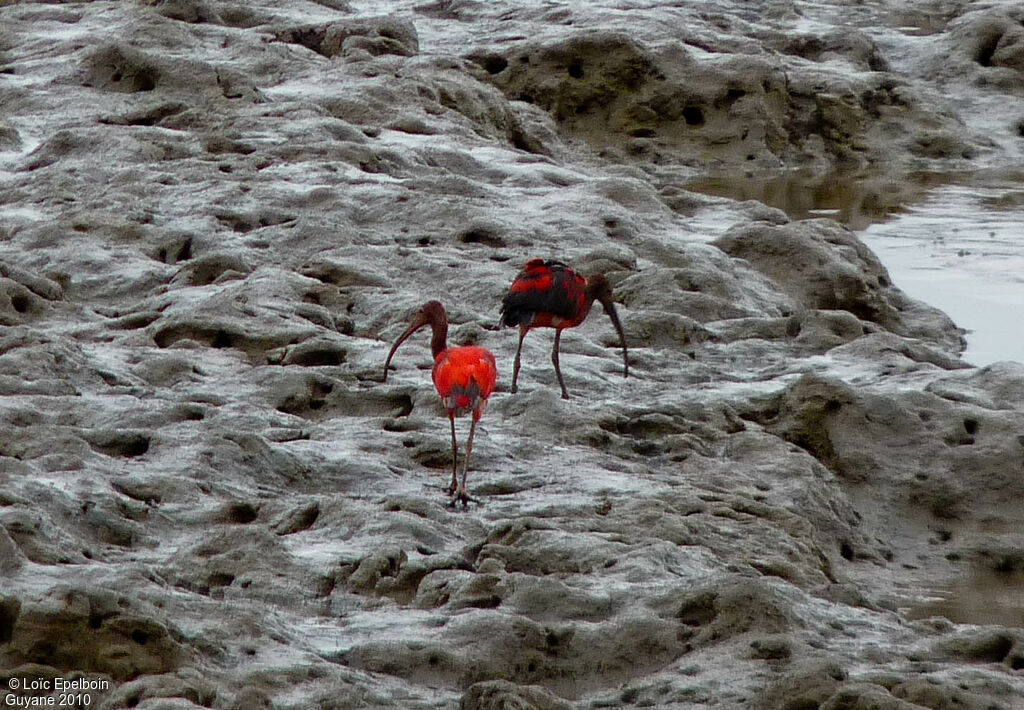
(548, 294)
(464, 377)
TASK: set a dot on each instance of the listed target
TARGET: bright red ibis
(464, 377)
(548, 294)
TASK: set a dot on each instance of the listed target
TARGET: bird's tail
(463, 398)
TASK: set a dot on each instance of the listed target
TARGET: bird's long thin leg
(554, 359)
(455, 455)
(460, 492)
(515, 366)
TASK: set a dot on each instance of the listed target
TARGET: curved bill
(609, 308)
(416, 324)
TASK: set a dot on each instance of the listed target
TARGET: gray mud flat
(216, 216)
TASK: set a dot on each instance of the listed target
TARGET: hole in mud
(482, 236)
(987, 49)
(20, 303)
(95, 622)
(132, 701)
(846, 551)
(434, 458)
(242, 513)
(222, 339)
(221, 579)
(320, 357)
(490, 602)
(125, 445)
(1005, 565)
(144, 81)
(1017, 663)
(495, 64)
(140, 637)
(997, 650)
(693, 115)
(575, 70)
(971, 426)
(698, 611)
(9, 610)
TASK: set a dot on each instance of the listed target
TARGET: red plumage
(549, 294)
(464, 377)
(546, 294)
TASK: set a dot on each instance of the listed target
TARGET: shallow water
(856, 199)
(984, 597)
(961, 249)
(953, 240)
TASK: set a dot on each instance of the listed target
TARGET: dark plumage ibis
(548, 294)
(464, 377)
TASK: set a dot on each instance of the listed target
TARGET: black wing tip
(514, 317)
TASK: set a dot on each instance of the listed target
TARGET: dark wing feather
(542, 287)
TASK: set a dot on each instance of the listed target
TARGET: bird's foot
(460, 496)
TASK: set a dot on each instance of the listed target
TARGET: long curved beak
(609, 308)
(418, 322)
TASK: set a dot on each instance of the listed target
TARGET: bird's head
(600, 290)
(431, 313)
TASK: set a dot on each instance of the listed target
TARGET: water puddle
(961, 249)
(856, 199)
(985, 597)
(918, 23)
(954, 240)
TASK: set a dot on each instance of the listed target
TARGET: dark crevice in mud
(482, 236)
(119, 444)
(987, 49)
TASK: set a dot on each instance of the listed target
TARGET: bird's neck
(588, 303)
(439, 342)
